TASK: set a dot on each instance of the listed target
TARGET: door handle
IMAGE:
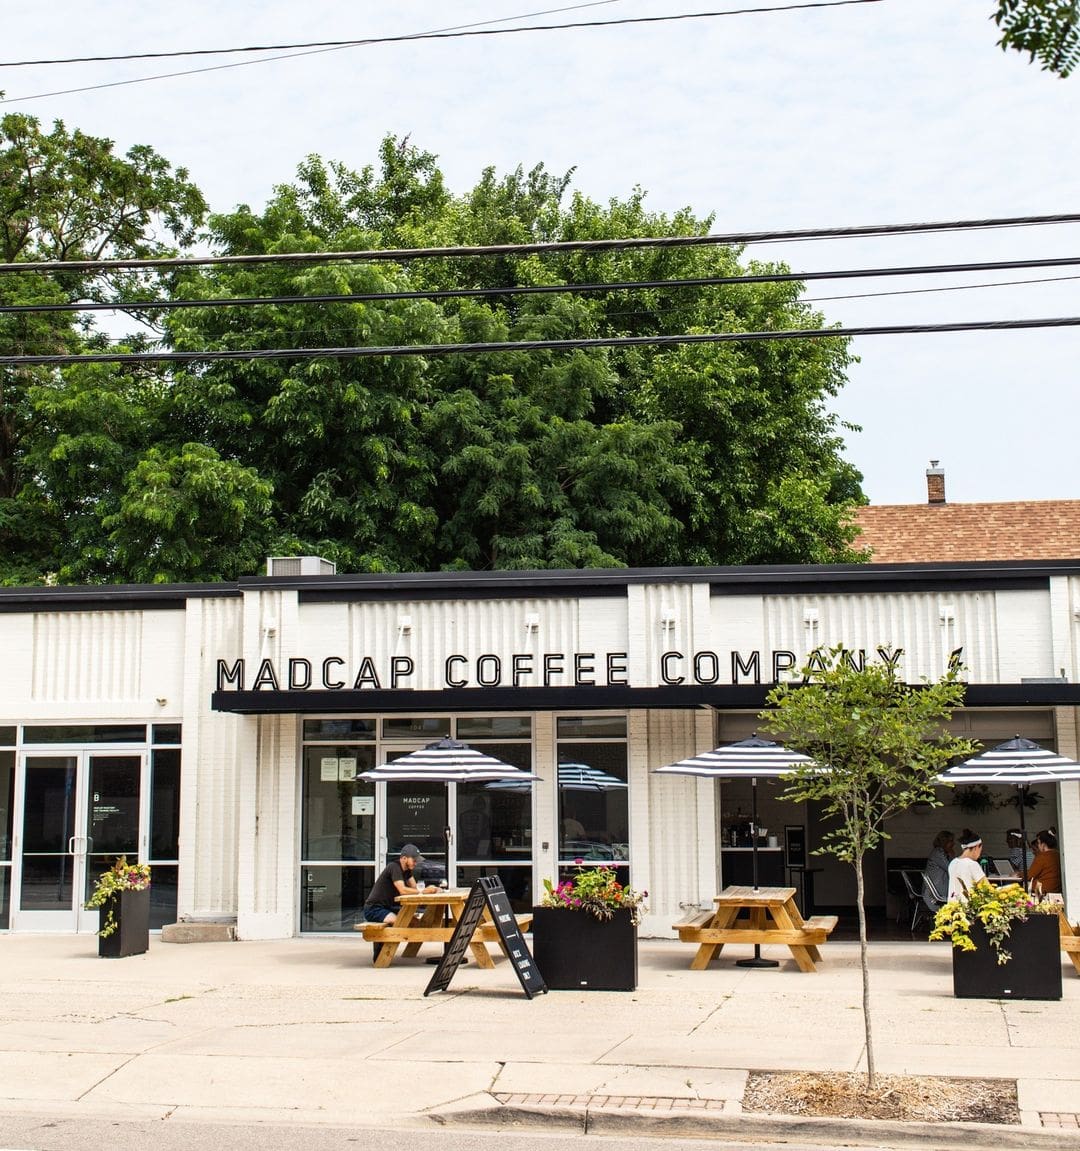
(71, 844)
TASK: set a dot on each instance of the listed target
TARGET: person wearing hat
(396, 879)
(964, 870)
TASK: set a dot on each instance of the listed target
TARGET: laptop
(1002, 866)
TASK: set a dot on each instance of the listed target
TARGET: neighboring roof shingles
(1024, 529)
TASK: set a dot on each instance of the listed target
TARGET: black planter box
(131, 910)
(1033, 972)
(575, 951)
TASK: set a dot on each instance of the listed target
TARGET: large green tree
(69, 439)
(1047, 30)
(513, 459)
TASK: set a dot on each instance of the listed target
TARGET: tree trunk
(864, 961)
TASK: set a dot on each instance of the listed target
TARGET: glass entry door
(77, 813)
(419, 813)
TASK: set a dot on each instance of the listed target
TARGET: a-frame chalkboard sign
(488, 891)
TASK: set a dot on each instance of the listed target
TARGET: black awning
(722, 697)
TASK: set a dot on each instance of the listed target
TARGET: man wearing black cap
(396, 879)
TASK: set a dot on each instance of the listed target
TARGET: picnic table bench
(1070, 939)
(431, 918)
(761, 915)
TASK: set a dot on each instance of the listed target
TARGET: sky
(877, 113)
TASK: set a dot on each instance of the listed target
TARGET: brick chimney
(935, 483)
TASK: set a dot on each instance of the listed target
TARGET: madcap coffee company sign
(524, 669)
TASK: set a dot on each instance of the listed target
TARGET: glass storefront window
(165, 733)
(516, 880)
(594, 814)
(164, 805)
(86, 733)
(591, 727)
(7, 805)
(332, 898)
(164, 880)
(338, 818)
(425, 728)
(7, 814)
(340, 849)
(494, 820)
(7, 736)
(338, 728)
(494, 727)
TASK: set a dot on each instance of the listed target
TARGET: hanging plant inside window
(1030, 799)
(974, 798)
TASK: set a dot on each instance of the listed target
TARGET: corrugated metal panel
(926, 627)
(680, 816)
(216, 748)
(87, 656)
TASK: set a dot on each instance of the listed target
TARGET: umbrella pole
(757, 961)
(1023, 834)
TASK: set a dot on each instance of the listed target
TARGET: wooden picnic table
(431, 918)
(756, 915)
(1070, 938)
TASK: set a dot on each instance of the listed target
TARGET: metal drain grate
(1059, 1119)
(612, 1102)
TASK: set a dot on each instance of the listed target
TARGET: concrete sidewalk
(305, 1031)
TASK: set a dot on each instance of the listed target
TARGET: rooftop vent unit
(299, 566)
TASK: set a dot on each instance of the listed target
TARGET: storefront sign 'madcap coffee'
(525, 669)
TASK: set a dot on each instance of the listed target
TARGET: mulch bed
(905, 1097)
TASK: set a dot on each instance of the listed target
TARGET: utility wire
(922, 291)
(438, 35)
(542, 289)
(402, 255)
(446, 34)
(529, 345)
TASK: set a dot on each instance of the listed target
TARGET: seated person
(937, 868)
(396, 879)
(964, 870)
(1014, 843)
(1044, 874)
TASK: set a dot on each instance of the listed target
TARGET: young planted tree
(878, 745)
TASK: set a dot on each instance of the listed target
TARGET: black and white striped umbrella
(446, 761)
(748, 759)
(1019, 762)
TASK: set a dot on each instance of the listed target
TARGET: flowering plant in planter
(596, 890)
(121, 877)
(995, 908)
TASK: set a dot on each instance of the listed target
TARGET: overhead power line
(252, 354)
(445, 34)
(542, 289)
(403, 255)
(943, 288)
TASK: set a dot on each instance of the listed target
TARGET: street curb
(775, 1128)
